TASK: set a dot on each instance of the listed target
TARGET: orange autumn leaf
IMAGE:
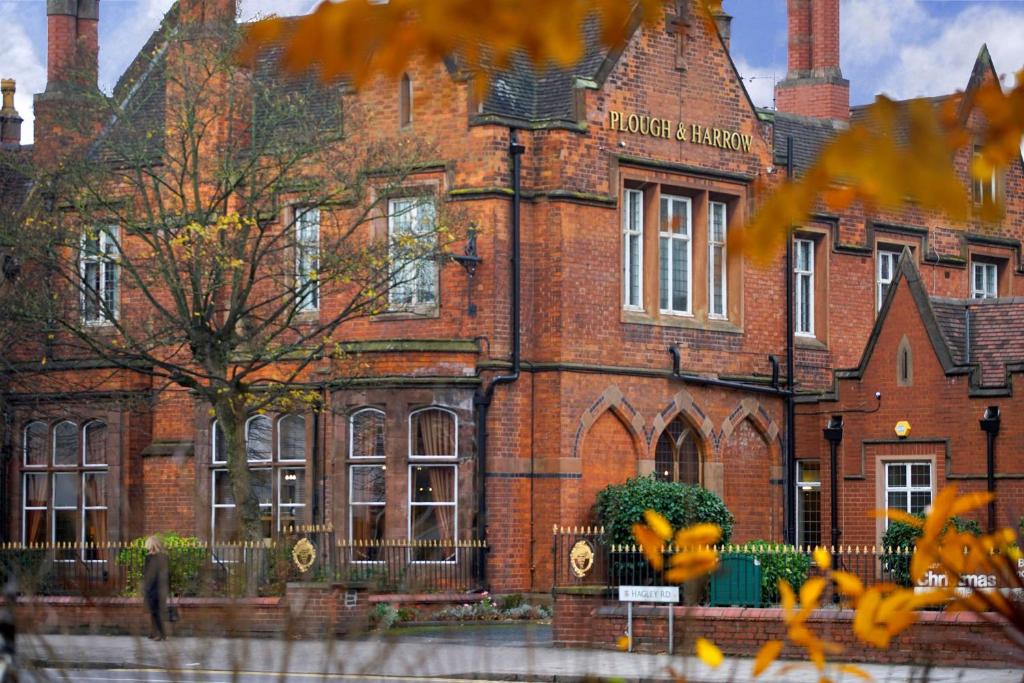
(855, 671)
(709, 653)
(658, 524)
(848, 584)
(698, 534)
(768, 653)
(651, 545)
(822, 558)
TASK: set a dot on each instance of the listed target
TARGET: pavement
(453, 653)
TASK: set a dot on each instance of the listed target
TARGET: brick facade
(596, 389)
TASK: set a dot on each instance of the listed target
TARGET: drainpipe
(699, 380)
(834, 435)
(482, 398)
(990, 425)
(789, 466)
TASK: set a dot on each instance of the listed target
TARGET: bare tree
(217, 232)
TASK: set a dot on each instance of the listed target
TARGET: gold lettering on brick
(649, 126)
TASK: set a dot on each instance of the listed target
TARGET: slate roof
(14, 184)
(985, 332)
(523, 91)
(809, 136)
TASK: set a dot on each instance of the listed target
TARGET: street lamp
(990, 425)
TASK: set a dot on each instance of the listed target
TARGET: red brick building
(628, 337)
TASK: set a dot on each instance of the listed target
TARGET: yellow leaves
(693, 555)
(709, 653)
(885, 611)
(360, 39)
(622, 643)
(658, 524)
(848, 584)
(822, 558)
(768, 653)
(855, 671)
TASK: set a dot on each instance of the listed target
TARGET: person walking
(155, 587)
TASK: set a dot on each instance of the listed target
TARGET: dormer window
(985, 190)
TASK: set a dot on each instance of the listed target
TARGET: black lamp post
(834, 435)
(990, 425)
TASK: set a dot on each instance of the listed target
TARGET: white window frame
(633, 230)
(214, 505)
(799, 275)
(24, 499)
(424, 267)
(53, 444)
(280, 435)
(801, 487)
(270, 440)
(106, 252)
(214, 431)
(352, 434)
(713, 245)
(981, 185)
(85, 445)
(909, 489)
(990, 277)
(280, 472)
(880, 280)
(676, 241)
(428, 458)
(454, 504)
(77, 507)
(351, 503)
(87, 508)
(307, 258)
(24, 444)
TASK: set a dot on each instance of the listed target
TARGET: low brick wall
(939, 638)
(306, 610)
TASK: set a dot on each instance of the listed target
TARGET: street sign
(649, 593)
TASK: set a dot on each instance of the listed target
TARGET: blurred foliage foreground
(943, 547)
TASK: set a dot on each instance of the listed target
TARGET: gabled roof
(982, 338)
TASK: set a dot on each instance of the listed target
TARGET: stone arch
(611, 399)
(752, 453)
(683, 404)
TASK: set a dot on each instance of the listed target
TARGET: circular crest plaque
(581, 558)
(303, 554)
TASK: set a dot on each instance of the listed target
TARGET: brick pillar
(205, 11)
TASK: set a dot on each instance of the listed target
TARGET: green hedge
(901, 535)
(779, 562)
(620, 506)
(186, 556)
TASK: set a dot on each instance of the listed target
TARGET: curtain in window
(434, 433)
(35, 519)
(442, 484)
(95, 501)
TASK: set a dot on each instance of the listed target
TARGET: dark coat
(155, 579)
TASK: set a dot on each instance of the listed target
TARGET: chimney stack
(72, 49)
(723, 20)
(207, 11)
(10, 122)
(814, 85)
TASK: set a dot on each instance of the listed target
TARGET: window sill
(411, 313)
(682, 321)
(809, 342)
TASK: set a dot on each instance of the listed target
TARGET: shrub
(903, 536)
(508, 602)
(383, 616)
(619, 506)
(186, 557)
(779, 562)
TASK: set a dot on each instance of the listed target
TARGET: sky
(902, 48)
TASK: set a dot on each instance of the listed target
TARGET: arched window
(35, 444)
(94, 443)
(291, 437)
(257, 439)
(65, 444)
(904, 364)
(677, 455)
(405, 101)
(432, 433)
(366, 434)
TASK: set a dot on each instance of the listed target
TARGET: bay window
(64, 495)
(277, 476)
(367, 483)
(433, 435)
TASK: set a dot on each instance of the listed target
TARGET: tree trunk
(231, 416)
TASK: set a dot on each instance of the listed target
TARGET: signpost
(663, 594)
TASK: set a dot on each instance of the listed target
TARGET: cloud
(760, 80)
(256, 9)
(123, 32)
(23, 62)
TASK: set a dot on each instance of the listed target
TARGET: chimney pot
(10, 121)
(814, 85)
(723, 20)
